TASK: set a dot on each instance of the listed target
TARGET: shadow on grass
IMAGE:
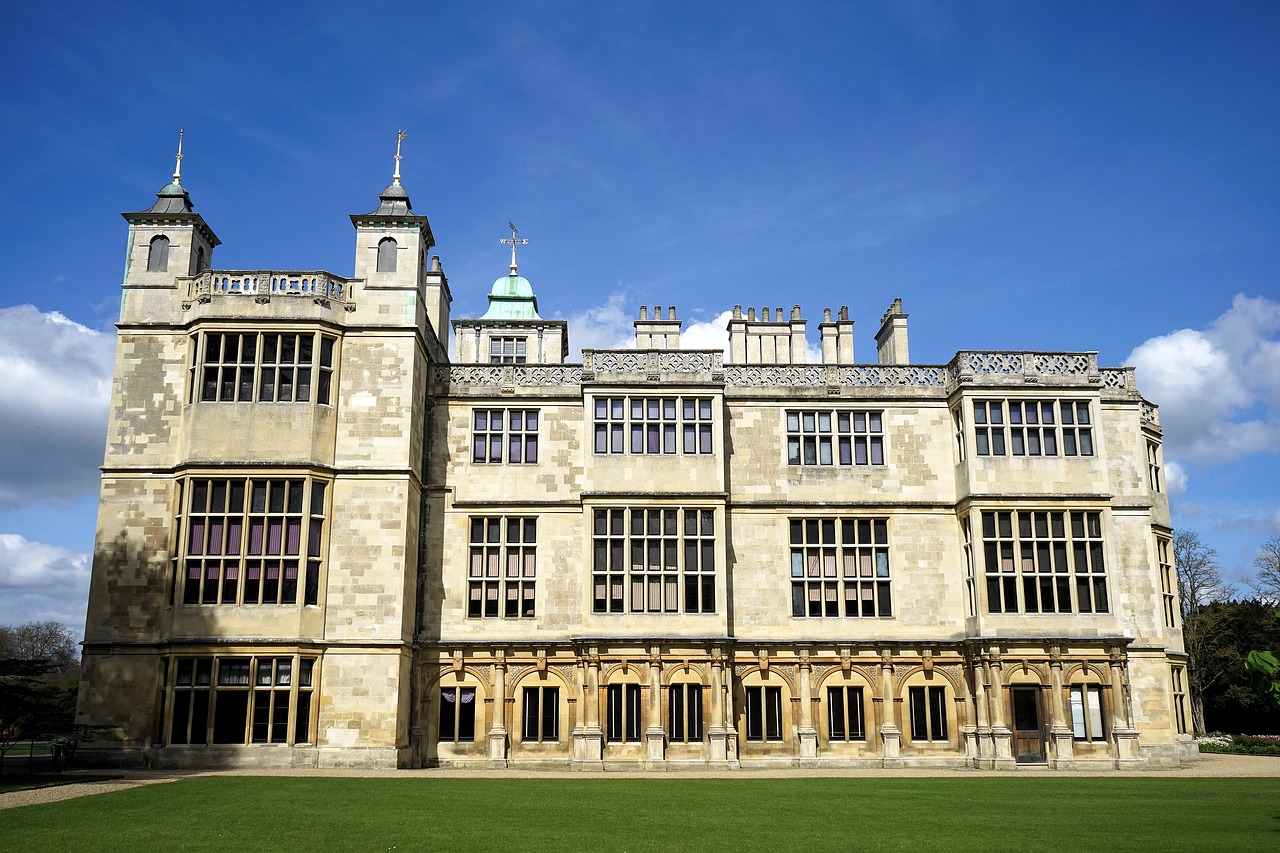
(30, 781)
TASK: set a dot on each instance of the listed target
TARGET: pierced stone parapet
(912, 376)
(508, 375)
(598, 362)
(267, 283)
(776, 375)
(1071, 369)
(1017, 368)
(1150, 413)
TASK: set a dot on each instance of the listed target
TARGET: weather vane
(513, 241)
(395, 179)
(177, 168)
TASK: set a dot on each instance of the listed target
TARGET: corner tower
(167, 241)
(392, 243)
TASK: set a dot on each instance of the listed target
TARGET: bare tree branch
(1267, 582)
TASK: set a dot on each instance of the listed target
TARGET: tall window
(653, 425)
(252, 541)
(1168, 582)
(764, 713)
(457, 714)
(158, 254)
(503, 570)
(504, 435)
(684, 713)
(970, 576)
(1180, 699)
(640, 557)
(846, 575)
(241, 700)
(835, 438)
(1086, 712)
(928, 713)
(1154, 477)
(846, 719)
(507, 351)
(541, 719)
(387, 255)
(1044, 562)
(623, 713)
(264, 367)
(1032, 428)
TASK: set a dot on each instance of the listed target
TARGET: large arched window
(386, 255)
(158, 257)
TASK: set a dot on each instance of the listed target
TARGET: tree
(1200, 584)
(39, 674)
(46, 641)
(1267, 582)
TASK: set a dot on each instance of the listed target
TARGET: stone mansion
(340, 528)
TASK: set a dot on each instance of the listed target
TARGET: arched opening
(158, 257)
(386, 255)
(200, 261)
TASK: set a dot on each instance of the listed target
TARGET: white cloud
(713, 334)
(55, 385)
(606, 326)
(40, 582)
(1219, 388)
(1175, 478)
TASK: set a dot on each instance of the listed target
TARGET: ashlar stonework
(324, 543)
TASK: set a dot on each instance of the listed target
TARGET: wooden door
(1028, 737)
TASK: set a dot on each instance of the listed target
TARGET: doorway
(1028, 738)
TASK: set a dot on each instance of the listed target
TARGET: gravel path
(1220, 766)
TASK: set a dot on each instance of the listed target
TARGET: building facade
(324, 542)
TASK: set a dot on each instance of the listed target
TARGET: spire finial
(513, 241)
(177, 168)
(395, 179)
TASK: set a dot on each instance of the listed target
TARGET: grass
(595, 813)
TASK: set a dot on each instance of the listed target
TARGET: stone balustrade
(313, 283)
(1049, 370)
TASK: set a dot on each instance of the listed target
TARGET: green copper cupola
(512, 297)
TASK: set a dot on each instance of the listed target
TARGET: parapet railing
(314, 283)
(968, 367)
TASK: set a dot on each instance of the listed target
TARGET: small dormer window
(158, 257)
(507, 351)
(387, 255)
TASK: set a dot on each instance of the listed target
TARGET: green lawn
(601, 813)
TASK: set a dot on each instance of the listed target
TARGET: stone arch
(675, 673)
(536, 722)
(844, 716)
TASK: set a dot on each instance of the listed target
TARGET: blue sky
(1052, 176)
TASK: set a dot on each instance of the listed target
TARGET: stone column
(806, 731)
(982, 710)
(717, 730)
(1125, 735)
(969, 729)
(890, 734)
(654, 734)
(588, 744)
(498, 727)
(1001, 736)
(1059, 724)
